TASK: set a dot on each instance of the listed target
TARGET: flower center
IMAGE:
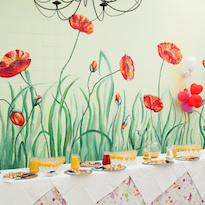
(168, 52)
(14, 62)
(128, 67)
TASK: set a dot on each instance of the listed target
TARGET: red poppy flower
(17, 118)
(93, 66)
(153, 103)
(118, 99)
(81, 23)
(203, 63)
(13, 63)
(124, 124)
(38, 99)
(170, 53)
(126, 67)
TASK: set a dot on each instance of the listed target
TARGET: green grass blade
(59, 131)
(22, 149)
(36, 140)
(52, 118)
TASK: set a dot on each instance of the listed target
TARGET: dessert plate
(158, 162)
(187, 158)
(78, 172)
(20, 175)
(90, 164)
(110, 168)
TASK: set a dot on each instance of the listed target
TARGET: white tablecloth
(150, 180)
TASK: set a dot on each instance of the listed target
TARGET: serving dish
(90, 164)
(158, 162)
(78, 171)
(110, 168)
(187, 158)
(20, 175)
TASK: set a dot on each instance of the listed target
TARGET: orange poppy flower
(81, 23)
(17, 118)
(153, 103)
(170, 53)
(126, 67)
(13, 63)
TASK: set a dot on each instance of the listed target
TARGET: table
(180, 183)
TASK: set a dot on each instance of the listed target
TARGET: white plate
(69, 172)
(150, 163)
(24, 176)
(187, 159)
(93, 165)
(101, 169)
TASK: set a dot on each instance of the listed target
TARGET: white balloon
(191, 63)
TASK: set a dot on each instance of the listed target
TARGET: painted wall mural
(93, 119)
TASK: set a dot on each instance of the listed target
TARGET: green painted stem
(159, 81)
(19, 134)
(61, 73)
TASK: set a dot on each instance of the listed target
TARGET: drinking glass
(146, 155)
(75, 164)
(169, 153)
(106, 158)
(34, 166)
(174, 151)
(155, 149)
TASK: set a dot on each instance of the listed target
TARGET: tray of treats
(20, 175)
(187, 158)
(78, 171)
(157, 162)
(110, 167)
(90, 164)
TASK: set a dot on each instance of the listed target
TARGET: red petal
(126, 67)
(14, 69)
(17, 118)
(81, 23)
(170, 53)
(147, 101)
(153, 103)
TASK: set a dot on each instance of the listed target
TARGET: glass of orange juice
(155, 149)
(174, 151)
(34, 166)
(75, 164)
(146, 155)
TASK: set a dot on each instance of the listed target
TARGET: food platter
(90, 164)
(20, 175)
(187, 158)
(110, 168)
(158, 162)
(78, 172)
